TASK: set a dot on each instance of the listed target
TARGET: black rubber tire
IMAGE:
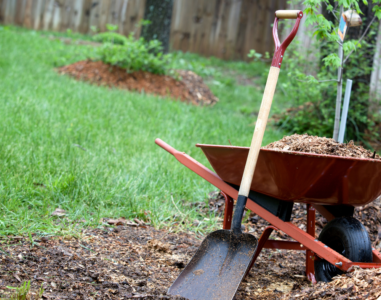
(347, 236)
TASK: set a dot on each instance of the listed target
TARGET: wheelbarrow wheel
(347, 236)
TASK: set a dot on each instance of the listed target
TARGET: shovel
(224, 257)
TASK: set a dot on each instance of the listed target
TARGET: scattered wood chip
(59, 212)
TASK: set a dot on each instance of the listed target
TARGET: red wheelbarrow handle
(281, 48)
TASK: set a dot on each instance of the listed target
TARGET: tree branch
(320, 81)
(361, 38)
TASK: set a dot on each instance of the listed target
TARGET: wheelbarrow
(332, 185)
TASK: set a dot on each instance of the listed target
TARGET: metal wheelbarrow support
(225, 256)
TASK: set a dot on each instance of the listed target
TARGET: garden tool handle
(260, 125)
(287, 14)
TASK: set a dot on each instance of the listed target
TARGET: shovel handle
(260, 125)
(287, 14)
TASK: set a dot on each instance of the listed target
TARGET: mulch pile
(320, 145)
(190, 88)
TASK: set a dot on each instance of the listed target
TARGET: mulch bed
(321, 145)
(189, 87)
(129, 262)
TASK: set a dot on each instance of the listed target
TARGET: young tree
(326, 31)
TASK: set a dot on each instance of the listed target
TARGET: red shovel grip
(281, 48)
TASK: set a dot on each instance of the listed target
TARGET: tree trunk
(159, 12)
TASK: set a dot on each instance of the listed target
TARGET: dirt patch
(320, 145)
(190, 88)
(129, 262)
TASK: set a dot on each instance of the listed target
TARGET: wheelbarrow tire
(347, 236)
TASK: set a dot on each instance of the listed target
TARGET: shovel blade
(217, 268)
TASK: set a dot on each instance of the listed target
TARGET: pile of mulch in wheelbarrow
(321, 145)
(188, 87)
(128, 262)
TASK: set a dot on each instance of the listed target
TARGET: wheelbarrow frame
(304, 240)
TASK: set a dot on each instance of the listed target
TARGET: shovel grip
(287, 14)
(281, 48)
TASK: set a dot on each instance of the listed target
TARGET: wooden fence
(224, 28)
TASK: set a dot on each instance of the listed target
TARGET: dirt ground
(136, 261)
(187, 86)
(128, 262)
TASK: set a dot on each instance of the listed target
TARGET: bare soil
(189, 87)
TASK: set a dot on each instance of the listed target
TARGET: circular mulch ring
(190, 88)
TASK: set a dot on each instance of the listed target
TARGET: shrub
(110, 37)
(133, 54)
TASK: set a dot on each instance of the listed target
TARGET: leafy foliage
(312, 88)
(110, 37)
(130, 53)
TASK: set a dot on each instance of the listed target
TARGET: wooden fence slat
(56, 19)
(104, 11)
(28, 11)
(76, 15)
(39, 6)
(85, 18)
(134, 13)
(20, 11)
(48, 14)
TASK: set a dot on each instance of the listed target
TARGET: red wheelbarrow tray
(301, 177)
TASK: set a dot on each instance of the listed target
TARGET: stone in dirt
(189, 88)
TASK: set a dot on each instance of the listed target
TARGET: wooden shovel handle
(259, 131)
(287, 14)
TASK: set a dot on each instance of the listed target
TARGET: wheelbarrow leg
(261, 242)
(310, 269)
(229, 203)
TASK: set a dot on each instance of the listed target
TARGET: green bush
(134, 54)
(110, 37)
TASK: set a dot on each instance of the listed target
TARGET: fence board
(28, 14)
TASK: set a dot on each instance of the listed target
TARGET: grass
(90, 150)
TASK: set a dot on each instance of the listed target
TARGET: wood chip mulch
(128, 262)
(189, 88)
(321, 145)
(359, 284)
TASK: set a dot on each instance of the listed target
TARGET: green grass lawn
(90, 150)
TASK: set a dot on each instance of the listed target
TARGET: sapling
(329, 32)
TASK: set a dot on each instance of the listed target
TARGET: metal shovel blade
(217, 268)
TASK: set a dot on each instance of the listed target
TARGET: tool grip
(287, 14)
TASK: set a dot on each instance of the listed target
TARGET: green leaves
(131, 54)
(350, 46)
(332, 60)
(255, 55)
(135, 55)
